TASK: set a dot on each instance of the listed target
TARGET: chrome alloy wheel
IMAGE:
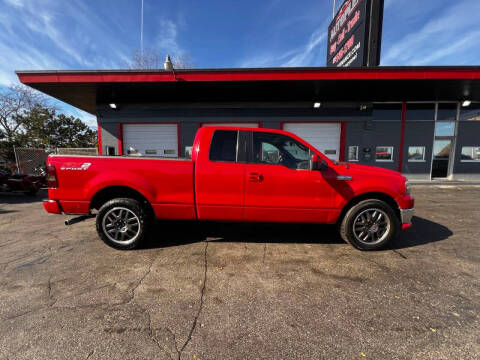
(121, 225)
(371, 226)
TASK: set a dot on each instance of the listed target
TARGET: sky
(104, 34)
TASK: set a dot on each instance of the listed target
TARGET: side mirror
(318, 163)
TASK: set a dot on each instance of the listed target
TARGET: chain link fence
(28, 159)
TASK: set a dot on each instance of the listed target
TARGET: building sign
(354, 31)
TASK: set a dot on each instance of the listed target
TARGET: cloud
(303, 55)
(440, 40)
(167, 38)
(16, 3)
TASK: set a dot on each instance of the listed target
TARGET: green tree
(47, 129)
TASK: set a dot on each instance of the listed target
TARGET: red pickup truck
(234, 174)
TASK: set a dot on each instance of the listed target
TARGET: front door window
(270, 148)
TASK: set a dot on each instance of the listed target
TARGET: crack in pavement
(49, 287)
(132, 297)
(175, 342)
(202, 300)
(399, 253)
(264, 252)
(150, 331)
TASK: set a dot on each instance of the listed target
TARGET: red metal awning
(85, 88)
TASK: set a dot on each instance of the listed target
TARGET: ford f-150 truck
(234, 174)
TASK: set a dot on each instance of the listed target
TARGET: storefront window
(445, 128)
(416, 153)
(384, 153)
(470, 153)
(353, 153)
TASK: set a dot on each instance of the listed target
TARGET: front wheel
(369, 225)
(122, 223)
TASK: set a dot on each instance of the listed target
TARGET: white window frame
(414, 160)
(384, 146)
(348, 153)
(469, 161)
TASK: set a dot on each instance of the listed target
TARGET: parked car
(28, 184)
(234, 174)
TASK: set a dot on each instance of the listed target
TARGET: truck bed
(167, 183)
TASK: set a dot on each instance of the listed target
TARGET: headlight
(407, 188)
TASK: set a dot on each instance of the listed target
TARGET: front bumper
(406, 216)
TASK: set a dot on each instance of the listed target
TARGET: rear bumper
(52, 206)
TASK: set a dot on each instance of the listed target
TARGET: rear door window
(224, 146)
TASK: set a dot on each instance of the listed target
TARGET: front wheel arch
(370, 196)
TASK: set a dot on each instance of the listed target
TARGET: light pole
(141, 32)
(333, 13)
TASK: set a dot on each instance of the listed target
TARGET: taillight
(51, 177)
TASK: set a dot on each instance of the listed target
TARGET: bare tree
(151, 59)
(14, 103)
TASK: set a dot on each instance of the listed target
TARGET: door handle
(344, 178)
(255, 177)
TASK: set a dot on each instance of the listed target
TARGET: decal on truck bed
(84, 166)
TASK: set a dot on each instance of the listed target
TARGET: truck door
(220, 177)
(279, 185)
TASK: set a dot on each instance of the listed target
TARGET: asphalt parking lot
(251, 291)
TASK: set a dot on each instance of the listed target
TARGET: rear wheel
(369, 225)
(122, 223)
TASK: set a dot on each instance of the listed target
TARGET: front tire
(369, 225)
(122, 223)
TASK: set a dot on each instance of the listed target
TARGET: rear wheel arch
(114, 192)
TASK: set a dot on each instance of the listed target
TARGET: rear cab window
(224, 146)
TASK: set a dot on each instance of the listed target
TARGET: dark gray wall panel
(468, 135)
(418, 133)
(420, 112)
(191, 119)
(382, 133)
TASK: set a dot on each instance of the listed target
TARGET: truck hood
(368, 170)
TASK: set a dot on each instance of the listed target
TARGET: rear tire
(122, 223)
(369, 225)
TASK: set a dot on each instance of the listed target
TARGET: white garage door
(253, 125)
(150, 140)
(323, 136)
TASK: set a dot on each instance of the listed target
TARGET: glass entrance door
(441, 156)
(444, 142)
